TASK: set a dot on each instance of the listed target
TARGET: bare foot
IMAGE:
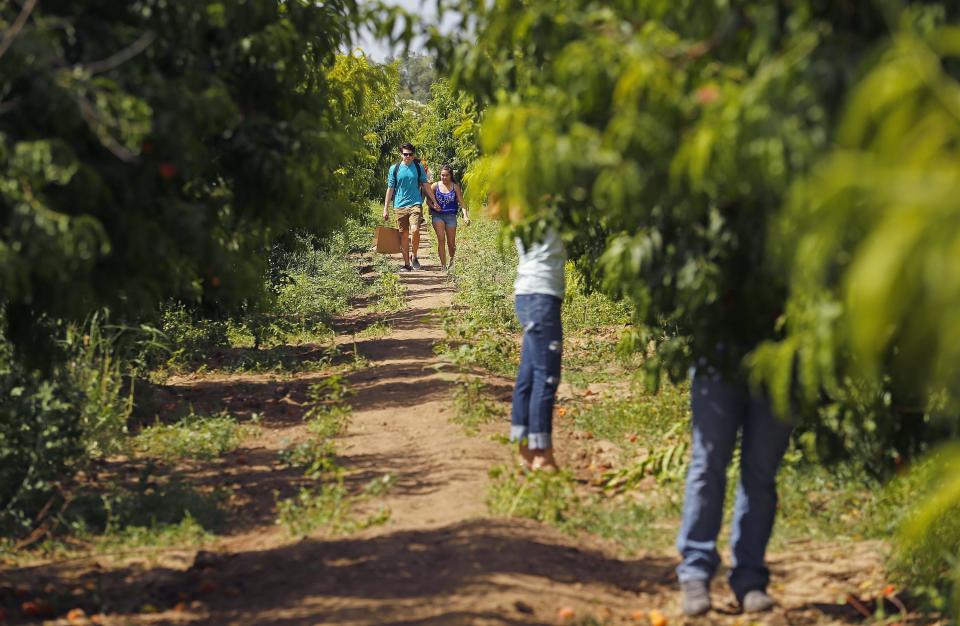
(526, 457)
(543, 461)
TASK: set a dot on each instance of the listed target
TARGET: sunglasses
(407, 153)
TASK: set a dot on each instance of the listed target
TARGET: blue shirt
(447, 201)
(403, 178)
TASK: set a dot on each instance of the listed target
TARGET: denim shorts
(449, 219)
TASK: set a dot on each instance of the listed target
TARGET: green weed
(388, 292)
(186, 533)
(192, 437)
(554, 499)
(376, 330)
(315, 457)
(328, 506)
(329, 413)
(648, 416)
(472, 406)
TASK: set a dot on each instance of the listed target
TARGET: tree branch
(18, 23)
(121, 57)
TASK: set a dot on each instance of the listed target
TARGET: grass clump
(922, 509)
(192, 437)
(388, 293)
(329, 412)
(330, 506)
(554, 499)
(472, 406)
(377, 330)
(314, 457)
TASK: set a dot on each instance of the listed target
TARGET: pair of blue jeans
(721, 410)
(539, 375)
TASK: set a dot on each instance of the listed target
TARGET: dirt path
(439, 559)
(401, 418)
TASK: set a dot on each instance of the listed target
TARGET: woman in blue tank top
(444, 217)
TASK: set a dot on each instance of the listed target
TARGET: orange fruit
(657, 618)
(36, 608)
(76, 615)
(566, 613)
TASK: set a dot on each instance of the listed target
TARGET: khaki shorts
(410, 217)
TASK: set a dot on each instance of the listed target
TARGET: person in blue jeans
(539, 289)
(449, 202)
(721, 410)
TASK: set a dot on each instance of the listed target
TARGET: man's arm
(387, 200)
(431, 199)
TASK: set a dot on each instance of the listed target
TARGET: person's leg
(764, 441)
(547, 352)
(717, 408)
(415, 220)
(452, 239)
(440, 229)
(403, 223)
(520, 412)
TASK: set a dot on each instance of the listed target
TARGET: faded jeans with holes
(539, 374)
(721, 410)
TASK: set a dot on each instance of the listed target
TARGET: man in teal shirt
(406, 186)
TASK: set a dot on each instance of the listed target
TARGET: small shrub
(376, 330)
(926, 502)
(472, 406)
(52, 423)
(315, 457)
(329, 507)
(388, 292)
(188, 335)
(554, 499)
(95, 371)
(192, 437)
(545, 497)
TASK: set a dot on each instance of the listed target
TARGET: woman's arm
(463, 205)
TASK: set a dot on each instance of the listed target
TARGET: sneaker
(756, 601)
(416, 263)
(405, 269)
(450, 264)
(696, 597)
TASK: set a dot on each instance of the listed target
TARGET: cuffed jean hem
(535, 441)
(539, 441)
(689, 575)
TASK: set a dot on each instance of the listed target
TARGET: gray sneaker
(405, 269)
(450, 264)
(416, 263)
(756, 601)
(696, 597)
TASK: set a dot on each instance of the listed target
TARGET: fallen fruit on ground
(76, 615)
(35, 608)
(566, 613)
(657, 618)
(638, 615)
